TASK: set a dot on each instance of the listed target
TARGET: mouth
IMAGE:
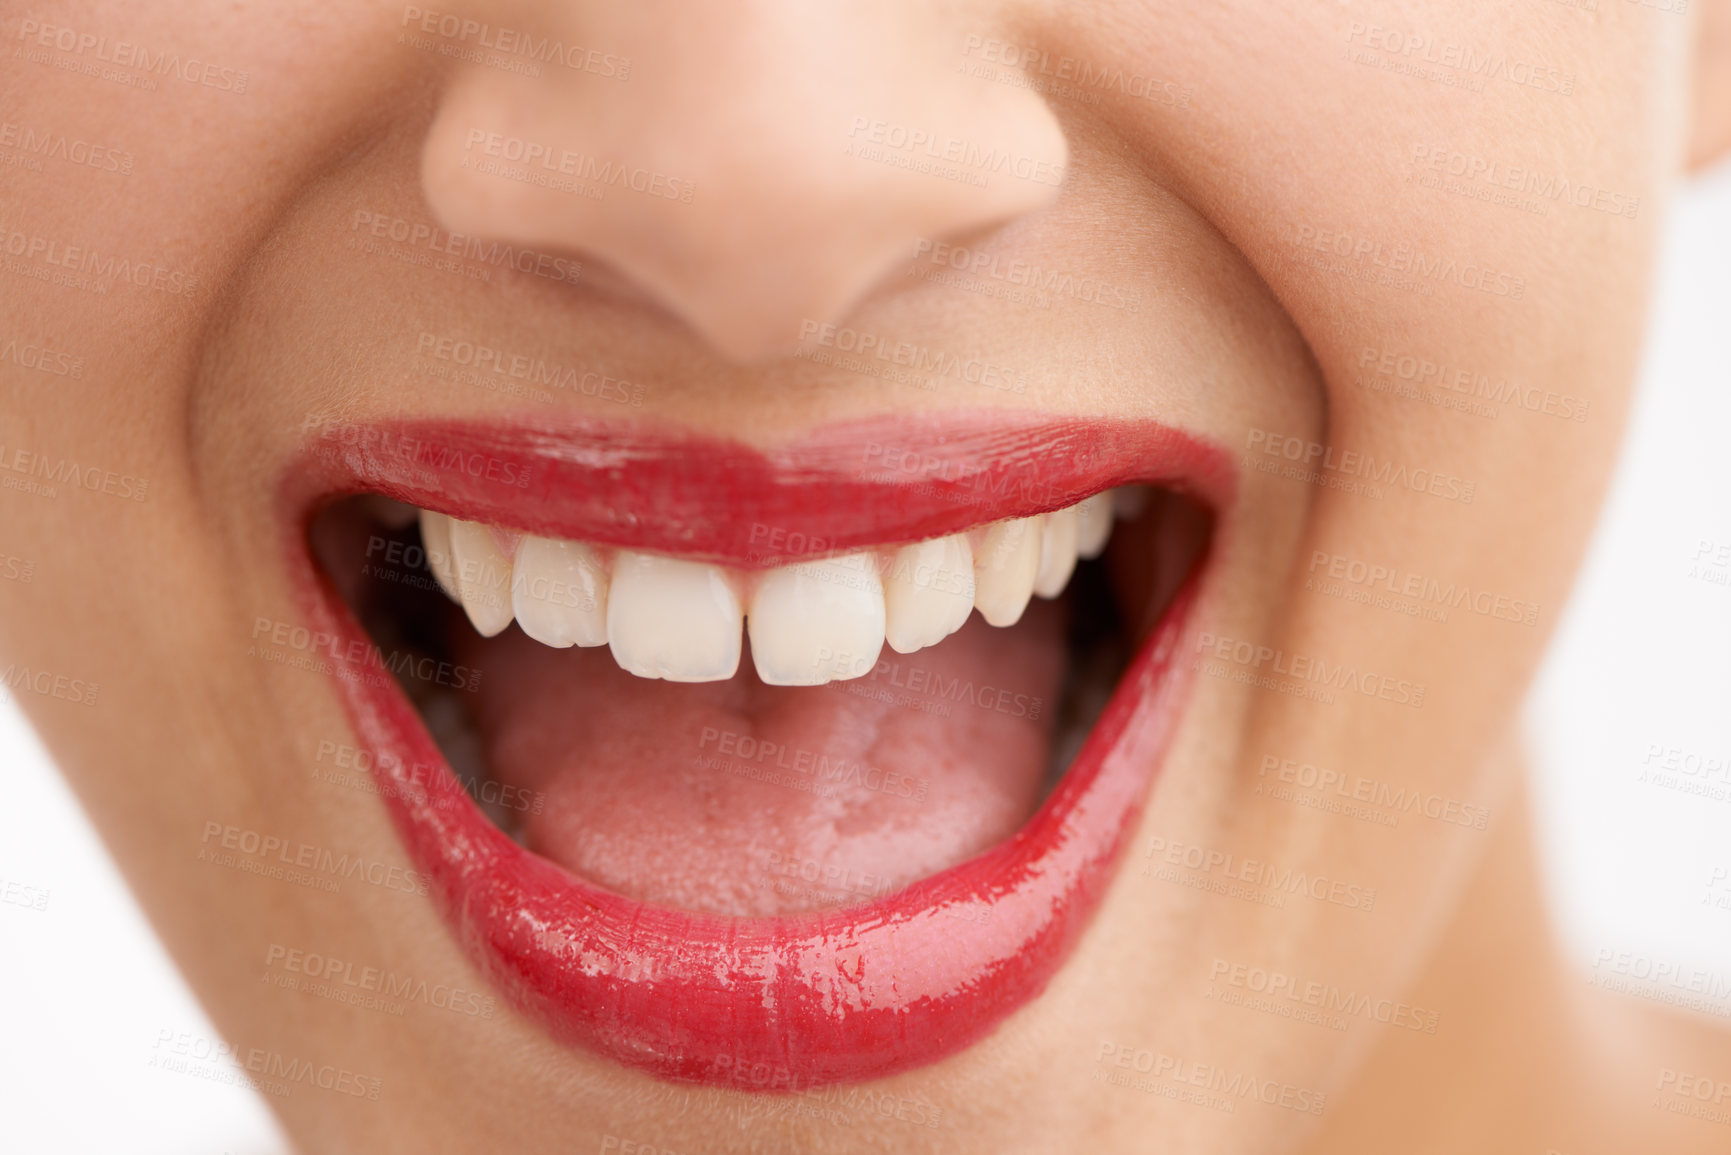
(762, 768)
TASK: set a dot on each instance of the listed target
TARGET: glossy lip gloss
(796, 1001)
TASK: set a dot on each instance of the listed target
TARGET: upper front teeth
(810, 622)
(671, 618)
(817, 621)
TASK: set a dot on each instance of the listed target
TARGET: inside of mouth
(737, 797)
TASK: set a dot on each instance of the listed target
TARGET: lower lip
(783, 1003)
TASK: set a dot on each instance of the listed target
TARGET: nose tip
(765, 167)
(804, 229)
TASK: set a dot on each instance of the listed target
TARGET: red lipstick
(866, 483)
(796, 1001)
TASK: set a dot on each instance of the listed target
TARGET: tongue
(739, 798)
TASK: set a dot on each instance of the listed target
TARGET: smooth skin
(1254, 186)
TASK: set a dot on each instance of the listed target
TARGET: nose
(752, 165)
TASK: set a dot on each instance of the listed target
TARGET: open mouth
(763, 768)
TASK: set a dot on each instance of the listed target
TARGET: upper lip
(864, 483)
(797, 1000)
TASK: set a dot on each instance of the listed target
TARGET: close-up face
(510, 486)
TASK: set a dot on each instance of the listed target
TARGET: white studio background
(1643, 658)
(1642, 661)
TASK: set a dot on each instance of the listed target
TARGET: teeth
(817, 621)
(673, 619)
(1058, 542)
(559, 592)
(483, 577)
(1005, 568)
(1094, 519)
(929, 592)
(436, 540)
(810, 623)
